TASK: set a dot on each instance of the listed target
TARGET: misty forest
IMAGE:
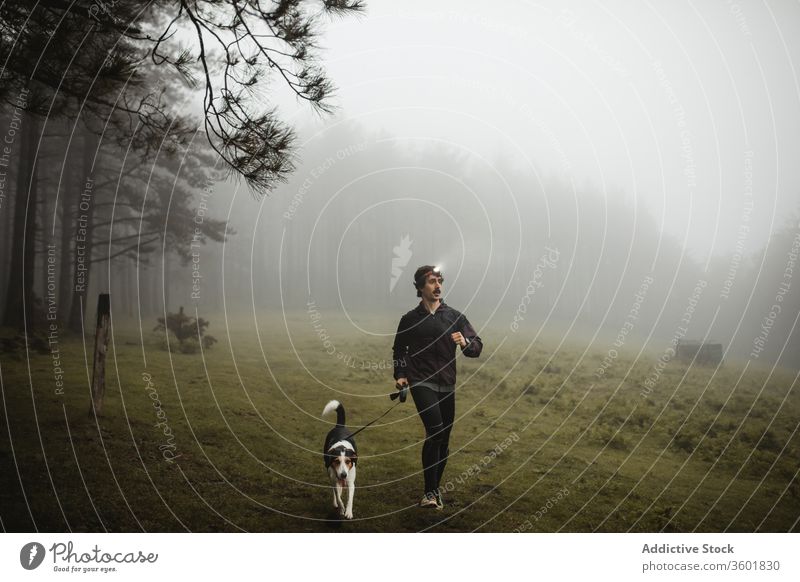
(211, 213)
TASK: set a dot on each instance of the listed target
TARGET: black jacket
(423, 349)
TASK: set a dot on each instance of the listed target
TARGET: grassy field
(540, 443)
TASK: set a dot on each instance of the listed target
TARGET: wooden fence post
(100, 348)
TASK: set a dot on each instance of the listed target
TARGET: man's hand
(402, 386)
(459, 339)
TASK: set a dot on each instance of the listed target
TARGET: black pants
(437, 411)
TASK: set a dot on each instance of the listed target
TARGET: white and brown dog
(340, 457)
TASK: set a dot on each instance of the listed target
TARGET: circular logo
(31, 555)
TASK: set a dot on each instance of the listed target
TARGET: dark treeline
(96, 217)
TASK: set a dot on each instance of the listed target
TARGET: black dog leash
(402, 394)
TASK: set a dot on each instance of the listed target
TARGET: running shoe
(438, 498)
(429, 501)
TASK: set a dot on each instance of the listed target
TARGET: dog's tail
(337, 406)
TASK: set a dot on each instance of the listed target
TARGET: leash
(402, 398)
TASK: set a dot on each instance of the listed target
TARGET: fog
(579, 171)
(648, 151)
(201, 246)
(659, 104)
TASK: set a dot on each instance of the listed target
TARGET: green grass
(701, 452)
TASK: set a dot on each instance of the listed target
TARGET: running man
(425, 358)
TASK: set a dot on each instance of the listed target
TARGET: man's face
(432, 290)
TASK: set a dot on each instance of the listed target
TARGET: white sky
(595, 93)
